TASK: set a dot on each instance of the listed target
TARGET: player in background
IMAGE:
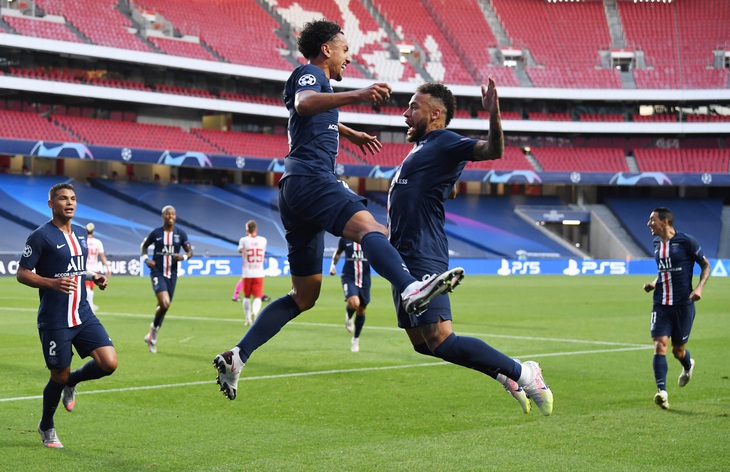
(253, 254)
(167, 242)
(419, 188)
(313, 200)
(356, 286)
(94, 262)
(57, 252)
(673, 311)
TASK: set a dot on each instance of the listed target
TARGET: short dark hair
(315, 34)
(664, 213)
(57, 187)
(441, 92)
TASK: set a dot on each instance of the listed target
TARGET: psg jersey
(166, 244)
(313, 140)
(356, 266)
(418, 190)
(53, 253)
(675, 261)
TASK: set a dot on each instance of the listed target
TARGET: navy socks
(359, 323)
(267, 324)
(88, 371)
(386, 261)
(660, 371)
(51, 397)
(686, 360)
(478, 355)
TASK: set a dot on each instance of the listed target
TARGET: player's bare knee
(678, 352)
(60, 377)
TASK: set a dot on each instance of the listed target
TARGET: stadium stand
(413, 23)
(678, 48)
(181, 48)
(41, 29)
(683, 160)
(563, 39)
(698, 217)
(98, 20)
(245, 144)
(212, 211)
(125, 134)
(30, 126)
(121, 225)
(490, 223)
(218, 22)
(581, 160)
(564, 44)
(465, 25)
(513, 159)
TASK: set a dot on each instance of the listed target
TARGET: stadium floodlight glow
(571, 222)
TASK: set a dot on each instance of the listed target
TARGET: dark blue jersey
(675, 260)
(356, 266)
(419, 188)
(54, 254)
(313, 140)
(166, 244)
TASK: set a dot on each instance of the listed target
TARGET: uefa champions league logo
(307, 80)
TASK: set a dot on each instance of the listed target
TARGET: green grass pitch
(306, 403)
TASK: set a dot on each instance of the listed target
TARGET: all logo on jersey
(307, 79)
(27, 251)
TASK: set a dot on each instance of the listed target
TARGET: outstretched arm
(309, 102)
(493, 147)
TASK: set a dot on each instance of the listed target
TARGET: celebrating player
(673, 311)
(168, 240)
(418, 190)
(356, 286)
(57, 251)
(313, 200)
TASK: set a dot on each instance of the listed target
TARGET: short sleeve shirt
(166, 244)
(52, 253)
(313, 140)
(356, 266)
(253, 253)
(675, 261)
(418, 190)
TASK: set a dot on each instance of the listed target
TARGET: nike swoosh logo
(59, 246)
(158, 239)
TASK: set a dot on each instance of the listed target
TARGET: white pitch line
(103, 314)
(321, 372)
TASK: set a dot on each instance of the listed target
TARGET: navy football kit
(416, 215)
(355, 275)
(63, 318)
(673, 312)
(166, 244)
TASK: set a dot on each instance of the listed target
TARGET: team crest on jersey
(307, 79)
(27, 251)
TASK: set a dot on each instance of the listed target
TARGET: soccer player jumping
(313, 200)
